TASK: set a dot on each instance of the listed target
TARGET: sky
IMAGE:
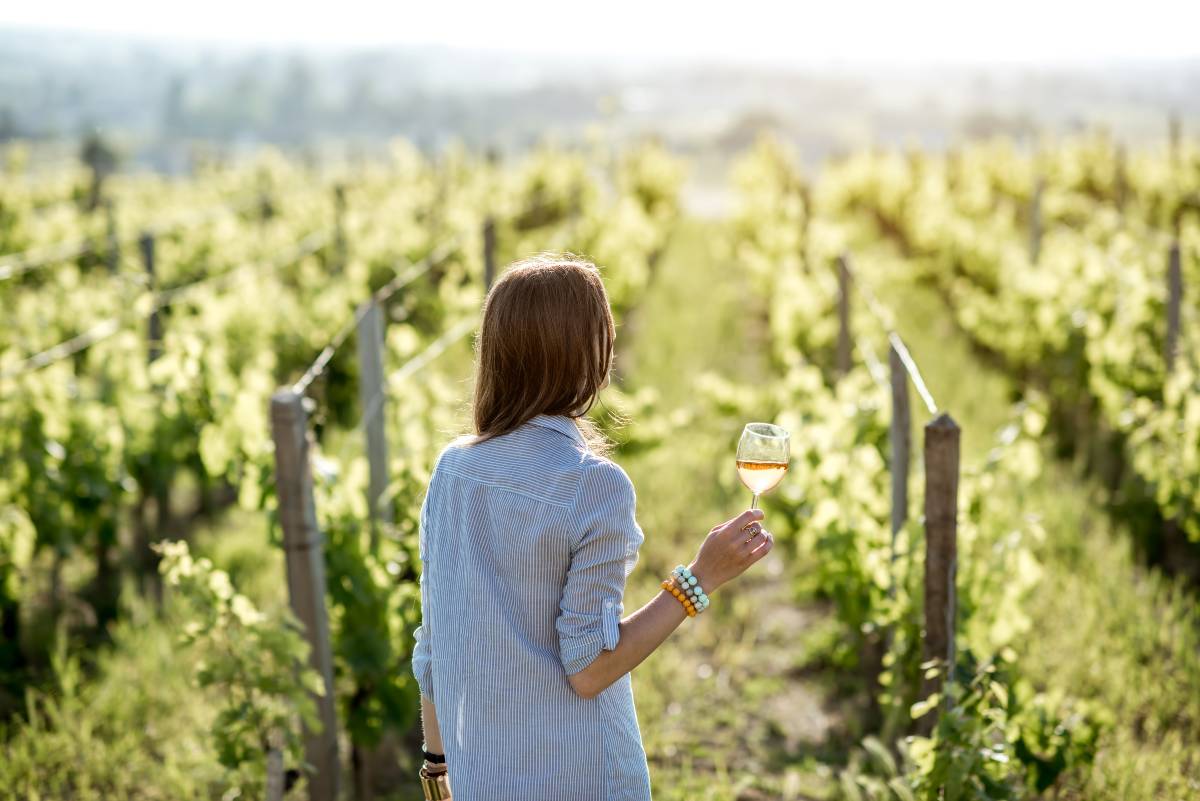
(751, 31)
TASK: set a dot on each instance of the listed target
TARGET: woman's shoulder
(444, 461)
(606, 502)
(601, 479)
(453, 447)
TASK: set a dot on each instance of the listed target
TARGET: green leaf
(900, 787)
(883, 757)
(922, 708)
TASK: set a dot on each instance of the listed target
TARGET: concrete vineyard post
(305, 562)
(489, 252)
(275, 773)
(371, 402)
(942, 436)
(843, 312)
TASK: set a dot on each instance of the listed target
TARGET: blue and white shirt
(526, 542)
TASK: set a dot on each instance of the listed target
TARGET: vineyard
(220, 399)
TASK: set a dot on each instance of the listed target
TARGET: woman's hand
(730, 548)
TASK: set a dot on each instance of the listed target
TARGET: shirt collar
(560, 423)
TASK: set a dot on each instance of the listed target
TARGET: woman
(527, 536)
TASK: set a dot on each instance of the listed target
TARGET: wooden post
(305, 561)
(489, 252)
(1171, 525)
(159, 482)
(1174, 302)
(266, 209)
(805, 225)
(371, 401)
(901, 442)
(114, 245)
(339, 227)
(1035, 220)
(843, 311)
(942, 436)
(154, 327)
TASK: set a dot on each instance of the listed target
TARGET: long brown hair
(545, 346)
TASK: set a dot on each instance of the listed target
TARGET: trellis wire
(108, 327)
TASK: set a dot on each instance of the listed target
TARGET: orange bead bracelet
(688, 606)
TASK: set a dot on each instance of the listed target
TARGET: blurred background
(229, 77)
(953, 247)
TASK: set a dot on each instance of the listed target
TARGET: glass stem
(754, 500)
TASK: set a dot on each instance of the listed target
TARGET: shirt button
(608, 604)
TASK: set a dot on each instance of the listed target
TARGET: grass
(125, 721)
(1123, 639)
(134, 728)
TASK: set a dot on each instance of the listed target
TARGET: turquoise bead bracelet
(691, 587)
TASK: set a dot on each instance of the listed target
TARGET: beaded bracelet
(691, 586)
(688, 606)
(687, 590)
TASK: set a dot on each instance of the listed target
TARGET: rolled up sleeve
(601, 560)
(422, 658)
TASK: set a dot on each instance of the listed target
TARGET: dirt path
(729, 707)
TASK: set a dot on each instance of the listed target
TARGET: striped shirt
(526, 541)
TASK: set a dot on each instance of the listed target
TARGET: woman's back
(527, 540)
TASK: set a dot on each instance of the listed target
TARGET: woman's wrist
(434, 761)
(705, 576)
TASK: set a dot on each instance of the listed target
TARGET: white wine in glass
(762, 458)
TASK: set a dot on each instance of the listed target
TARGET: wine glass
(762, 457)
